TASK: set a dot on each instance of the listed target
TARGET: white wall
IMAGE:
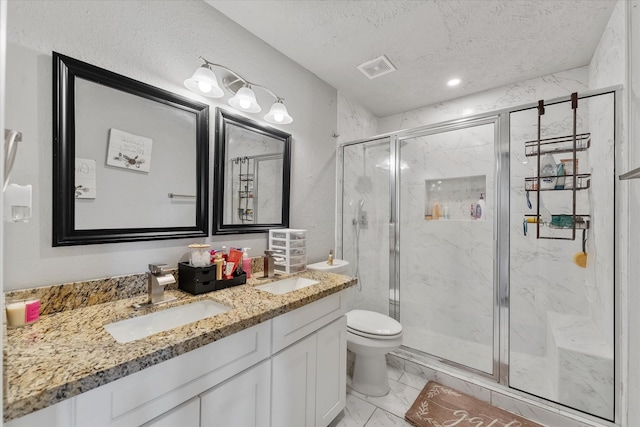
(157, 43)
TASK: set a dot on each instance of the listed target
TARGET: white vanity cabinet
(145, 395)
(288, 371)
(309, 374)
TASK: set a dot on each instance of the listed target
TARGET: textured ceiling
(486, 43)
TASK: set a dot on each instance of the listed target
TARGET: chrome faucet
(157, 278)
(268, 264)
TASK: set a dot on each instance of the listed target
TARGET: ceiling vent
(377, 67)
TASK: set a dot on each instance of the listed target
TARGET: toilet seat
(370, 324)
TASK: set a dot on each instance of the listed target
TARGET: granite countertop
(69, 352)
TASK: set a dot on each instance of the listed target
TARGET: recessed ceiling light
(453, 82)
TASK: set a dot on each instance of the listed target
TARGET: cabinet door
(241, 401)
(58, 415)
(185, 415)
(293, 391)
(331, 371)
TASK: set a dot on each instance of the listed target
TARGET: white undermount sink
(287, 285)
(133, 329)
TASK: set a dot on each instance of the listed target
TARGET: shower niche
(453, 199)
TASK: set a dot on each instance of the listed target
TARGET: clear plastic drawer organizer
(290, 250)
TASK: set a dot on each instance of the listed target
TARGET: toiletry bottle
(436, 211)
(330, 260)
(560, 179)
(219, 262)
(246, 262)
(548, 172)
(480, 207)
(446, 212)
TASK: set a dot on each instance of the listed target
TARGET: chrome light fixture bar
(205, 82)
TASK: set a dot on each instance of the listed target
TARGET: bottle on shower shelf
(480, 207)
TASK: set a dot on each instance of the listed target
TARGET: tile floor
(385, 411)
(407, 379)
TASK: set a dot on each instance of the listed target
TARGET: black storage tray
(200, 280)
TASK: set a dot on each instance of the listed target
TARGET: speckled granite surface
(69, 352)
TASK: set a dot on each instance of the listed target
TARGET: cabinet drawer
(140, 397)
(290, 327)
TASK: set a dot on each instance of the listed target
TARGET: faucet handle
(158, 268)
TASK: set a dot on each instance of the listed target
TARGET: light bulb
(278, 114)
(204, 87)
(245, 103)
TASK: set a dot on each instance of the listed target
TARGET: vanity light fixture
(204, 82)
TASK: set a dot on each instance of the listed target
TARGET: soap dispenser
(330, 260)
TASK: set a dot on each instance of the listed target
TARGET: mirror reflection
(252, 164)
(130, 159)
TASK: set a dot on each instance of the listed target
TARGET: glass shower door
(365, 221)
(447, 218)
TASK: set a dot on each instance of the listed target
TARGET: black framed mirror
(130, 160)
(252, 176)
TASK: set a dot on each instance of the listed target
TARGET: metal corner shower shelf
(580, 181)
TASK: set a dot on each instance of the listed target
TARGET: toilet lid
(372, 323)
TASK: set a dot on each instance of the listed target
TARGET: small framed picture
(129, 151)
(85, 182)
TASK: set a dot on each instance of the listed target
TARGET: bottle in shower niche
(480, 207)
(548, 172)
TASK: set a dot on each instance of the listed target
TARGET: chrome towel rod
(631, 174)
(188, 196)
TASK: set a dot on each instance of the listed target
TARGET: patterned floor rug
(441, 406)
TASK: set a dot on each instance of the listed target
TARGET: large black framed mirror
(252, 176)
(130, 160)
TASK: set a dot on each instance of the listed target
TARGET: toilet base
(370, 375)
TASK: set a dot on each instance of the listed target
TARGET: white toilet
(370, 336)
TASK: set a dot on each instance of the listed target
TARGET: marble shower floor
(385, 411)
